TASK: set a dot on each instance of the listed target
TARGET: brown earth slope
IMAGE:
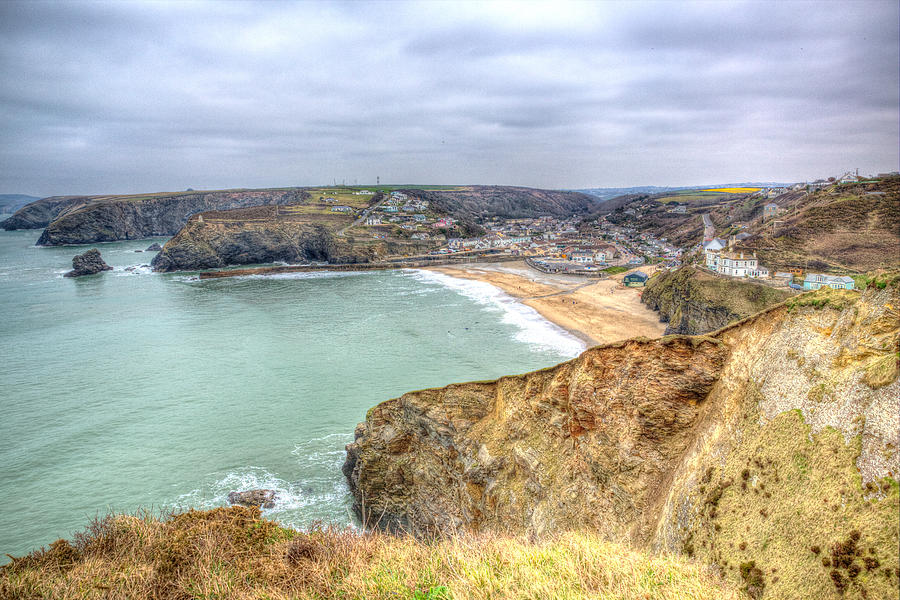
(848, 228)
(761, 449)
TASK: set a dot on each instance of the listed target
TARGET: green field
(691, 196)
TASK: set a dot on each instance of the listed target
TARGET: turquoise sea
(131, 390)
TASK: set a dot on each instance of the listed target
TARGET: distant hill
(488, 201)
(10, 203)
(91, 219)
(610, 193)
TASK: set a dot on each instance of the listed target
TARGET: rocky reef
(745, 448)
(89, 263)
(694, 302)
(110, 218)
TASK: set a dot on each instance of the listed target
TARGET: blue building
(815, 281)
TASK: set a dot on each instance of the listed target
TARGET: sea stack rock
(260, 498)
(87, 264)
(154, 247)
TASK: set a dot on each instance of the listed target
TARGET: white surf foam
(288, 496)
(303, 275)
(533, 329)
(140, 269)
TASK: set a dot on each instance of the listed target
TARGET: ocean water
(133, 390)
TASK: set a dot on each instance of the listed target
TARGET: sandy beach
(596, 311)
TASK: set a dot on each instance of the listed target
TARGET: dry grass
(233, 553)
(779, 509)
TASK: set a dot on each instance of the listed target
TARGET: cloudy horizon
(132, 97)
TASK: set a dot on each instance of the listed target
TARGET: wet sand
(596, 311)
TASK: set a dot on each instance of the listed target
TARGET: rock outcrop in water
(258, 498)
(110, 218)
(154, 247)
(89, 263)
(694, 302)
(746, 447)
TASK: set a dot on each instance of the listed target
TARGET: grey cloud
(122, 97)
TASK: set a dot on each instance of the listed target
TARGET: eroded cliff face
(111, 218)
(695, 302)
(261, 235)
(773, 436)
(586, 443)
(41, 212)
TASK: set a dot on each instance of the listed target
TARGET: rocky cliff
(762, 450)
(41, 212)
(266, 234)
(110, 218)
(694, 302)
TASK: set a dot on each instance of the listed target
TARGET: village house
(373, 221)
(636, 279)
(711, 251)
(770, 210)
(814, 281)
(737, 264)
(342, 208)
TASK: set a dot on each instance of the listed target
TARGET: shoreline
(594, 311)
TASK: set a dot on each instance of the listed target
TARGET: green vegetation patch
(615, 270)
(825, 297)
(787, 516)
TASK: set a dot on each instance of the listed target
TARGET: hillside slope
(507, 202)
(687, 444)
(693, 301)
(847, 228)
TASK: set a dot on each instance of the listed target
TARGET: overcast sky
(130, 97)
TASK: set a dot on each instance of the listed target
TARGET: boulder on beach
(88, 263)
(260, 498)
(154, 247)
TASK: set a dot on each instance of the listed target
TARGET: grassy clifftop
(233, 553)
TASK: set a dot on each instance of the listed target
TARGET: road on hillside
(709, 230)
(364, 215)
